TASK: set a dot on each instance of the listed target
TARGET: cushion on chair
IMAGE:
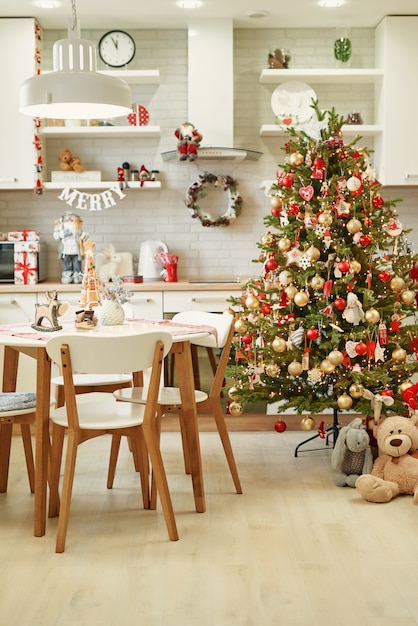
(16, 401)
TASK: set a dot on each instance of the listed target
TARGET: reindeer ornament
(49, 311)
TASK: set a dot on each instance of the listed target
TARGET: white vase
(112, 314)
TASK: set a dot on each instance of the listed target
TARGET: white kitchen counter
(181, 285)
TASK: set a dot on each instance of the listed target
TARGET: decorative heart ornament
(306, 193)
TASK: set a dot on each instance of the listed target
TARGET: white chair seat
(111, 413)
(166, 395)
(94, 380)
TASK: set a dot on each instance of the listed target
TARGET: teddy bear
(395, 471)
(189, 139)
(278, 60)
(352, 455)
(70, 163)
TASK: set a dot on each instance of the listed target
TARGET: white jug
(150, 267)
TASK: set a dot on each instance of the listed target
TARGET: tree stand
(330, 433)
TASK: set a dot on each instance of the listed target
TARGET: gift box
(26, 262)
(23, 235)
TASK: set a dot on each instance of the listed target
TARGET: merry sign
(92, 201)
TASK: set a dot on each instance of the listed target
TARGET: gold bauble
(307, 423)
(276, 202)
(234, 394)
(240, 326)
(408, 296)
(284, 244)
(325, 219)
(327, 367)
(399, 355)
(344, 402)
(296, 158)
(356, 390)
(285, 277)
(335, 357)
(291, 291)
(272, 370)
(251, 302)
(301, 298)
(295, 368)
(229, 311)
(353, 226)
(397, 283)
(405, 386)
(317, 282)
(268, 239)
(372, 316)
(313, 253)
(236, 409)
(278, 344)
(355, 266)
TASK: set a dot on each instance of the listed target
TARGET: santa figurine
(353, 313)
(189, 140)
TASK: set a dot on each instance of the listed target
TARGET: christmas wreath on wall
(197, 190)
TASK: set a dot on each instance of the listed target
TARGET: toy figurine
(68, 231)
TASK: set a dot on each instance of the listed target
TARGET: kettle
(150, 266)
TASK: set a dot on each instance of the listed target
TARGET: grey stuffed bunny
(352, 455)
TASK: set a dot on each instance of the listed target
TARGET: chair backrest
(221, 321)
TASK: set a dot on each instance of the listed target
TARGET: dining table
(23, 339)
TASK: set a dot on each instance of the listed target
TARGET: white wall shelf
(136, 77)
(105, 184)
(349, 130)
(89, 132)
(275, 77)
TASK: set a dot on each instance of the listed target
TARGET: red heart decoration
(287, 121)
(306, 192)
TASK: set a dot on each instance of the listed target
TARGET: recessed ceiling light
(189, 4)
(47, 4)
(257, 13)
(330, 4)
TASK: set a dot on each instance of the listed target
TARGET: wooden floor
(293, 549)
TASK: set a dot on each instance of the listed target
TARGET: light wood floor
(292, 550)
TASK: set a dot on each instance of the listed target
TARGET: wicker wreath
(196, 191)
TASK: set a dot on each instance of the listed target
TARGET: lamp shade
(74, 89)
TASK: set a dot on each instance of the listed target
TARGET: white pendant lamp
(74, 89)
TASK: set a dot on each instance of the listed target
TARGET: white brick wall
(204, 252)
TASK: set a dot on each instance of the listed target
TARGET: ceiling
(160, 14)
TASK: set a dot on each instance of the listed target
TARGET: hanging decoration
(83, 201)
(197, 191)
(37, 124)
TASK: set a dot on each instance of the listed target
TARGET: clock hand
(115, 42)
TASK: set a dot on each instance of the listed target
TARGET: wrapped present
(23, 235)
(26, 260)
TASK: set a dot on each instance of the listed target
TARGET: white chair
(93, 414)
(169, 397)
(16, 408)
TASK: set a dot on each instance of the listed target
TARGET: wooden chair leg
(55, 460)
(67, 488)
(114, 452)
(226, 442)
(139, 448)
(5, 444)
(154, 452)
(27, 446)
(153, 499)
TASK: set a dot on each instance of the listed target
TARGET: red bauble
(312, 334)
(247, 339)
(365, 240)
(271, 265)
(361, 348)
(280, 426)
(344, 267)
(265, 308)
(340, 303)
(384, 276)
(387, 392)
(276, 211)
(377, 202)
(287, 180)
(293, 208)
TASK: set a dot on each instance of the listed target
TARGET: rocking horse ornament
(49, 311)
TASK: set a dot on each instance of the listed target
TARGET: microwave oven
(7, 262)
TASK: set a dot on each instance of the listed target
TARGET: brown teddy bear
(395, 471)
(70, 163)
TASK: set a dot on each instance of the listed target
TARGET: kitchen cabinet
(146, 305)
(213, 301)
(17, 54)
(19, 308)
(328, 77)
(396, 46)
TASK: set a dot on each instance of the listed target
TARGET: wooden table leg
(10, 365)
(184, 367)
(43, 383)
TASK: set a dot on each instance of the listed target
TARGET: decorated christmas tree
(329, 323)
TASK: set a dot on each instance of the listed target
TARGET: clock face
(116, 48)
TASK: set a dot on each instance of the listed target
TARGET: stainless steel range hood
(211, 90)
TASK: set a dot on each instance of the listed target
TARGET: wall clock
(116, 48)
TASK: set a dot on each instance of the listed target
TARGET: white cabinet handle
(141, 300)
(209, 299)
(408, 176)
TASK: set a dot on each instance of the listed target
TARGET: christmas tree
(329, 323)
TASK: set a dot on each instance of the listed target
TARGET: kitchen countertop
(181, 285)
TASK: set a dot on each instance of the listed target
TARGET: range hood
(211, 90)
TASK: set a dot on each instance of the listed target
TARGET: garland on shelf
(196, 191)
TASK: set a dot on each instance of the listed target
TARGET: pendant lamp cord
(74, 16)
